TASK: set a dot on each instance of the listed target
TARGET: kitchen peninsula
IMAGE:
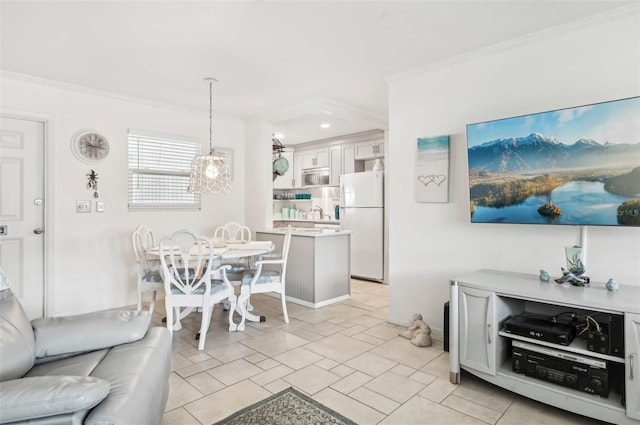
(318, 267)
(305, 222)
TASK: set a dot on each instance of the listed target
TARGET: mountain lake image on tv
(574, 166)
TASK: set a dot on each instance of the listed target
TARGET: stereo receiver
(570, 370)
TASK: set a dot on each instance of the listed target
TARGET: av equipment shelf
(482, 301)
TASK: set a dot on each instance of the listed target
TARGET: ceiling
(297, 64)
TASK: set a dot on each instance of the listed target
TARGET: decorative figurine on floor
(418, 332)
(611, 285)
(544, 276)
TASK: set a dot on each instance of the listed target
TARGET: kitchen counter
(294, 221)
(318, 267)
(310, 232)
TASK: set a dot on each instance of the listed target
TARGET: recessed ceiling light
(325, 125)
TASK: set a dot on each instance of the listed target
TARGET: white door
(22, 210)
(477, 333)
(632, 351)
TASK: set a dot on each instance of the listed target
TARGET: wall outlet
(83, 206)
(99, 206)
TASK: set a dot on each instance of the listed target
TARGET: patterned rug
(287, 407)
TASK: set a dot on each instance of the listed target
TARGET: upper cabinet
(337, 156)
(287, 181)
(297, 170)
(315, 158)
(369, 149)
(348, 159)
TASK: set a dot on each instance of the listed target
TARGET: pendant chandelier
(210, 173)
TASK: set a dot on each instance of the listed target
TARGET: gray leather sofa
(98, 368)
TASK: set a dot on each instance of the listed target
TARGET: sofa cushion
(79, 365)
(266, 276)
(138, 373)
(86, 332)
(42, 396)
(17, 343)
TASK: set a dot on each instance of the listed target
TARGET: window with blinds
(159, 169)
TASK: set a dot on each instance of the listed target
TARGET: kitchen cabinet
(369, 150)
(482, 301)
(297, 170)
(315, 158)
(348, 159)
(342, 161)
(335, 158)
(318, 272)
(287, 180)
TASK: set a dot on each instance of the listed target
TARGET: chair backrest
(186, 260)
(142, 239)
(233, 231)
(285, 252)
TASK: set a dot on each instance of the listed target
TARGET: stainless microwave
(315, 177)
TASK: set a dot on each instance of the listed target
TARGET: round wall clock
(89, 146)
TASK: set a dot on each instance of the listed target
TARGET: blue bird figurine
(544, 276)
(611, 285)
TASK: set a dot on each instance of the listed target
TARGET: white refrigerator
(362, 212)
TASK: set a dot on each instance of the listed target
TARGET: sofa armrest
(87, 332)
(42, 396)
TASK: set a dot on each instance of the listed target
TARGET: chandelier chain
(210, 173)
(211, 116)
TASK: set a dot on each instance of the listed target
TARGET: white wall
(431, 243)
(91, 260)
(259, 193)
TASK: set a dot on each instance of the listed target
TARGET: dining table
(232, 250)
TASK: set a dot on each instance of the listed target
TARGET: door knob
(38, 230)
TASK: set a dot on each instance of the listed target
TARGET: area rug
(289, 406)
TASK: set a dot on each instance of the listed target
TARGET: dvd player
(537, 327)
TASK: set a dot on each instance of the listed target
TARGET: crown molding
(111, 95)
(614, 14)
(325, 105)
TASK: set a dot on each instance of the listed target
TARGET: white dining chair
(261, 280)
(193, 279)
(233, 232)
(148, 268)
(230, 233)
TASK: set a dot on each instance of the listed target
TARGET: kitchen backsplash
(325, 198)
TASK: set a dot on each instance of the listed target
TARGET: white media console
(482, 301)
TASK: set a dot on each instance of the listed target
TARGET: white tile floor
(345, 356)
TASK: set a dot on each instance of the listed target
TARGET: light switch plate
(99, 206)
(83, 206)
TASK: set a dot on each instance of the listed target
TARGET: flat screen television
(574, 166)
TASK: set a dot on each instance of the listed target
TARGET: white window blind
(159, 169)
